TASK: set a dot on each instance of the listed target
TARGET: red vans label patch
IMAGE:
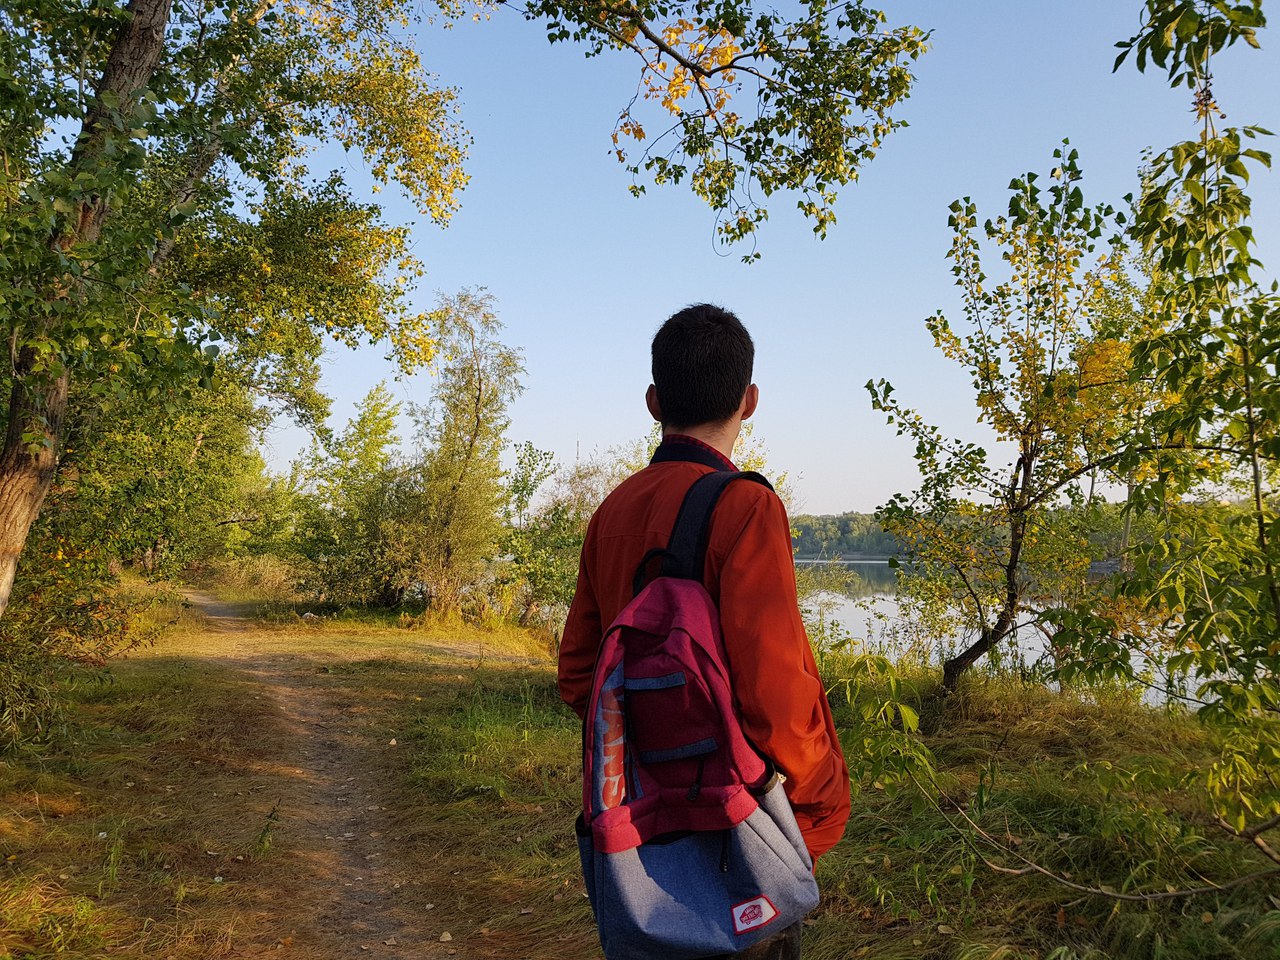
(753, 914)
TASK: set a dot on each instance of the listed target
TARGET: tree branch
(1031, 867)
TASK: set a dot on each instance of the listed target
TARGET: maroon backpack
(688, 845)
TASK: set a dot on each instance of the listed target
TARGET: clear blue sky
(583, 273)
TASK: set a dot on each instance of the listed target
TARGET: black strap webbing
(686, 552)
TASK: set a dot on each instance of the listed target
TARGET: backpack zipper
(697, 781)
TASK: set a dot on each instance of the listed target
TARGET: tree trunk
(531, 609)
(25, 476)
(202, 160)
(1018, 496)
(128, 71)
(37, 406)
(990, 636)
(1126, 563)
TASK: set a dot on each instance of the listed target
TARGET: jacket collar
(678, 447)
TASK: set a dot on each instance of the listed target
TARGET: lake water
(868, 618)
(866, 614)
(862, 610)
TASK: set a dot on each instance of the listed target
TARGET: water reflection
(869, 578)
(862, 611)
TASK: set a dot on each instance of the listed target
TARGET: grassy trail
(351, 892)
(242, 789)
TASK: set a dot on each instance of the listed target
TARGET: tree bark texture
(1018, 500)
(25, 475)
(38, 402)
(989, 637)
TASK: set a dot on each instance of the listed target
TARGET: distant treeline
(848, 535)
(1100, 529)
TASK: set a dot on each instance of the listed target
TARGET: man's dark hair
(702, 359)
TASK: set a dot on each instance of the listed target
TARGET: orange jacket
(751, 576)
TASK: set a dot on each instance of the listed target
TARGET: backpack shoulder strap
(686, 553)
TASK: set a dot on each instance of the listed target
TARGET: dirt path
(349, 895)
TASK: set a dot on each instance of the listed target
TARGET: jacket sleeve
(781, 699)
(580, 641)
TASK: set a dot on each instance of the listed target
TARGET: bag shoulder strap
(686, 551)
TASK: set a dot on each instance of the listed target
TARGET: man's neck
(719, 436)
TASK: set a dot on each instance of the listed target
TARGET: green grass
(104, 839)
(500, 762)
(498, 758)
(109, 830)
(1089, 787)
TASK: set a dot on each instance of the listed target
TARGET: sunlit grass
(106, 835)
(500, 757)
(110, 831)
(1088, 784)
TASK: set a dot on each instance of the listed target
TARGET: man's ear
(651, 401)
(750, 401)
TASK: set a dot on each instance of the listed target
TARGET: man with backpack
(733, 539)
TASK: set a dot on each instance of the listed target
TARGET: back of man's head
(702, 362)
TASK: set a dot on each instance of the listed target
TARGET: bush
(63, 612)
(266, 578)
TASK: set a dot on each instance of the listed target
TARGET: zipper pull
(697, 781)
(724, 851)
